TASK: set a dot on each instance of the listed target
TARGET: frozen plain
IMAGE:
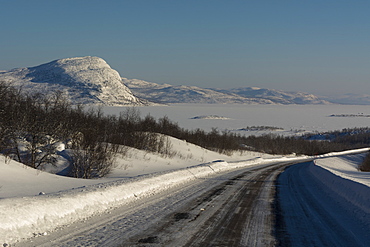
(68, 200)
(292, 119)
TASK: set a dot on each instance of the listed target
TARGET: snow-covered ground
(34, 203)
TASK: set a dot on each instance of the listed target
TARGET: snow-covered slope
(166, 93)
(86, 80)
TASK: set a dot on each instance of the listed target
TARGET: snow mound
(18, 180)
(86, 80)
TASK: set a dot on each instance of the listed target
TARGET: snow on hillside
(86, 80)
(167, 94)
(134, 163)
(35, 202)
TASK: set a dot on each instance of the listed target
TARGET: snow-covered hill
(86, 80)
(166, 93)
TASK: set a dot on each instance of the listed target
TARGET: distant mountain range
(169, 94)
(90, 80)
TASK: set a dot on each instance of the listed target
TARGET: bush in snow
(365, 166)
(92, 161)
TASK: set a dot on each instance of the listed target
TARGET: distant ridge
(90, 80)
(169, 94)
(85, 80)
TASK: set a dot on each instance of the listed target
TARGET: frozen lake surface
(290, 118)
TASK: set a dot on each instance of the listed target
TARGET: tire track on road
(237, 212)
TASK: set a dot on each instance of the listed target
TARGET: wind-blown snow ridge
(86, 80)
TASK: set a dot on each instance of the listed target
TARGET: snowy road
(205, 212)
(234, 213)
(234, 209)
(311, 213)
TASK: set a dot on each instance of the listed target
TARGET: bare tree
(92, 161)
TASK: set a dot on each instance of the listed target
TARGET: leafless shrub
(92, 161)
(365, 165)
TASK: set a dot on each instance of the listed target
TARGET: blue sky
(317, 46)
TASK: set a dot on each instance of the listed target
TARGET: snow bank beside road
(28, 216)
(346, 166)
